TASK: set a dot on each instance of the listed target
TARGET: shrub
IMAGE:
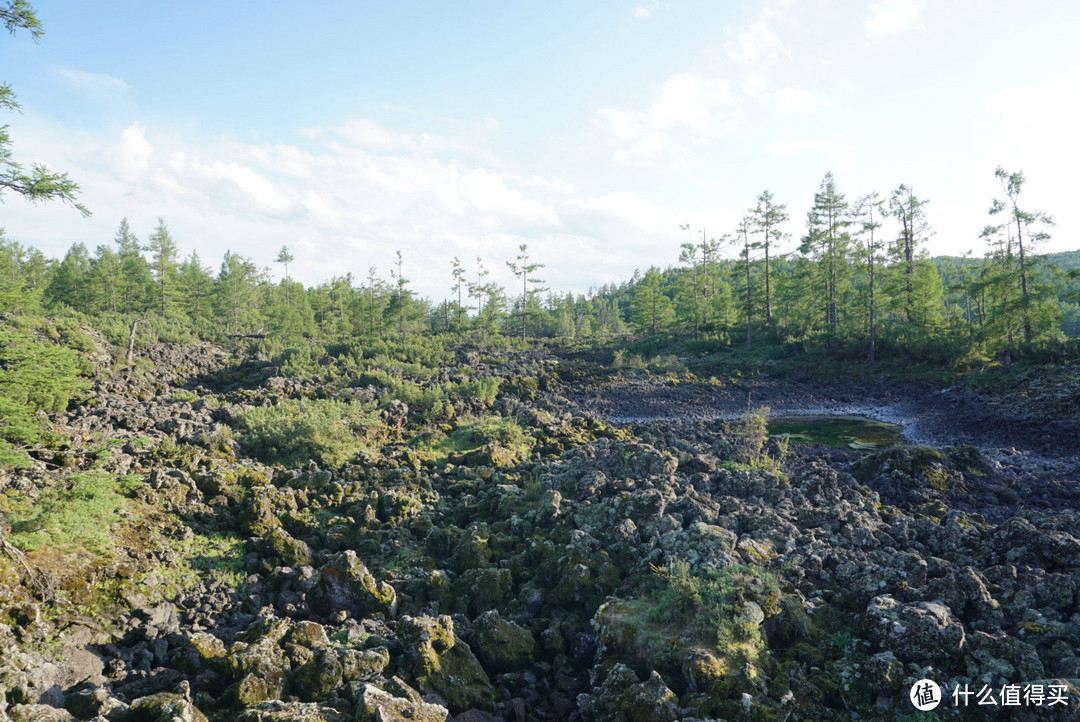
(33, 377)
(72, 517)
(710, 606)
(328, 431)
(751, 435)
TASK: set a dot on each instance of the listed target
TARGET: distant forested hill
(1051, 269)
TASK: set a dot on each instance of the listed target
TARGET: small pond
(857, 432)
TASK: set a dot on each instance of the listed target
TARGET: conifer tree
(524, 270)
(767, 217)
(163, 253)
(195, 284)
(1030, 226)
(37, 184)
(652, 312)
(135, 280)
(284, 257)
(867, 213)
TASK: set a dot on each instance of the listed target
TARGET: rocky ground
(618, 571)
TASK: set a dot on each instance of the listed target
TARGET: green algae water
(857, 432)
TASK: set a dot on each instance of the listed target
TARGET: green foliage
(202, 559)
(751, 437)
(33, 377)
(482, 389)
(74, 516)
(710, 606)
(328, 431)
(38, 184)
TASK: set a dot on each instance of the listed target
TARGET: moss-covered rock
(346, 584)
(502, 645)
(203, 650)
(377, 705)
(164, 707)
(460, 680)
(423, 639)
(623, 698)
(442, 664)
(279, 544)
(259, 669)
(478, 590)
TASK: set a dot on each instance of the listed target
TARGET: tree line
(843, 285)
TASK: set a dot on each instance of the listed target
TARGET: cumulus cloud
(132, 154)
(891, 17)
(642, 13)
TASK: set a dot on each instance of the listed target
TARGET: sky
(590, 131)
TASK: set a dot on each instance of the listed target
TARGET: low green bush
(74, 516)
(328, 431)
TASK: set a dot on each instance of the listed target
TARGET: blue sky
(589, 131)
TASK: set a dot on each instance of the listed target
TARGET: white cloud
(1032, 127)
(642, 13)
(367, 134)
(688, 99)
(791, 100)
(132, 155)
(685, 107)
(261, 190)
(842, 154)
(96, 83)
(757, 44)
(891, 17)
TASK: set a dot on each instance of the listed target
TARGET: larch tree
(38, 183)
(525, 270)
(743, 236)
(767, 217)
(651, 308)
(457, 275)
(284, 257)
(1030, 226)
(688, 255)
(163, 254)
(867, 212)
(827, 241)
(910, 212)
